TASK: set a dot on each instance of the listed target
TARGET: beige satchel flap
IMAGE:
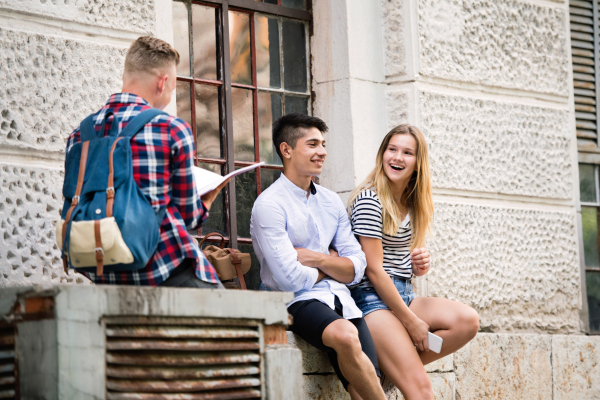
(222, 260)
(83, 244)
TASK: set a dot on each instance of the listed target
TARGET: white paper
(207, 181)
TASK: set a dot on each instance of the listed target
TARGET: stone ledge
(576, 367)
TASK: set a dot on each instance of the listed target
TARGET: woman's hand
(418, 331)
(421, 261)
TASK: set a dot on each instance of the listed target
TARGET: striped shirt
(367, 221)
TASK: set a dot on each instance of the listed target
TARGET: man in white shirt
(294, 223)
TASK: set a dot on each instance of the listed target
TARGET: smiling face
(308, 156)
(400, 159)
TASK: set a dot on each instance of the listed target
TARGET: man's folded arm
(347, 246)
(280, 257)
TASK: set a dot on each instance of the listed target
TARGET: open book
(207, 181)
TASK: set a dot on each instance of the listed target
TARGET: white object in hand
(435, 342)
(207, 181)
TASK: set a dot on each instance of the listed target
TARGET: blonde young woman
(391, 213)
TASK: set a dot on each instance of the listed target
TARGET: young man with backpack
(294, 222)
(160, 202)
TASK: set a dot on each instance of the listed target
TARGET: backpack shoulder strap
(86, 129)
(138, 122)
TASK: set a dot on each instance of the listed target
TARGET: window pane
(207, 121)
(269, 109)
(181, 37)
(184, 103)
(245, 194)
(253, 275)
(243, 126)
(216, 216)
(589, 220)
(239, 48)
(587, 183)
(294, 56)
(592, 282)
(267, 177)
(296, 105)
(205, 42)
(267, 52)
(298, 4)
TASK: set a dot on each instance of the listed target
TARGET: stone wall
(60, 61)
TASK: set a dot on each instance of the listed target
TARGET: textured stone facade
(507, 43)
(50, 84)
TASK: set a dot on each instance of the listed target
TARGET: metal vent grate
(584, 43)
(8, 370)
(182, 358)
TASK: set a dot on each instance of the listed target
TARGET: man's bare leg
(342, 336)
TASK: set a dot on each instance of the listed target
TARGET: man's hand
(322, 275)
(420, 261)
(209, 197)
(309, 258)
(333, 253)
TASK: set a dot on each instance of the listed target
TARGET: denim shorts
(368, 300)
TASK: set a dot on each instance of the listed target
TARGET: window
(585, 51)
(243, 64)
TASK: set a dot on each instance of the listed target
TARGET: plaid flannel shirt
(163, 156)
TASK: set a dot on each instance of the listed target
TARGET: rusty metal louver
(182, 359)
(8, 381)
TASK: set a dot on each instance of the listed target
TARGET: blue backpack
(107, 223)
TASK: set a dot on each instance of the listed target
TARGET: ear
(286, 150)
(162, 84)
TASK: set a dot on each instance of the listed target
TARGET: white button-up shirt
(283, 218)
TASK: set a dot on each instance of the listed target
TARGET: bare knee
(469, 321)
(342, 336)
(420, 387)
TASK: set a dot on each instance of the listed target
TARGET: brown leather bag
(228, 263)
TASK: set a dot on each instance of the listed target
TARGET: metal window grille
(182, 358)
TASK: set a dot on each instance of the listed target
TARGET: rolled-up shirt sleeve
(347, 246)
(278, 253)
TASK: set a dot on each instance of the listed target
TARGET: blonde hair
(417, 196)
(148, 54)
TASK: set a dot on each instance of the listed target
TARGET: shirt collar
(126, 98)
(291, 186)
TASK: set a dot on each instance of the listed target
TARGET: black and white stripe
(367, 220)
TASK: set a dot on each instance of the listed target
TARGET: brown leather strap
(235, 260)
(110, 191)
(75, 200)
(99, 251)
(221, 245)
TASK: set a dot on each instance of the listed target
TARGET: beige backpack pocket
(83, 244)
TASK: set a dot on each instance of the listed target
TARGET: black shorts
(311, 317)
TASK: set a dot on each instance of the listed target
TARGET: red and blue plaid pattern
(163, 156)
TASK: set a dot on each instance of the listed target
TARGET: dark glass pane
(269, 109)
(243, 125)
(267, 177)
(253, 275)
(245, 194)
(589, 222)
(216, 216)
(592, 282)
(267, 52)
(181, 37)
(294, 56)
(298, 4)
(183, 99)
(587, 183)
(207, 121)
(295, 104)
(204, 42)
(239, 48)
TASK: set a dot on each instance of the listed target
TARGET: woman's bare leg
(454, 322)
(397, 356)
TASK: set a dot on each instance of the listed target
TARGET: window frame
(225, 85)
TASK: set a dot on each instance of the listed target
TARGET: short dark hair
(288, 129)
(148, 53)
